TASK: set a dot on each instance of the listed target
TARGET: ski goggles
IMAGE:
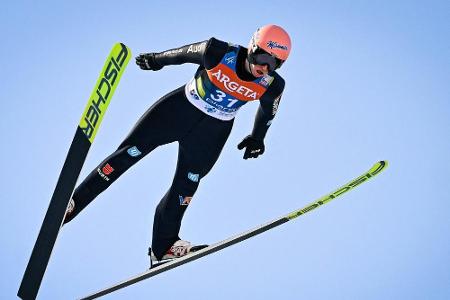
(261, 57)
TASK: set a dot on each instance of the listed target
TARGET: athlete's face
(259, 70)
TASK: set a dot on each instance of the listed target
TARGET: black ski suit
(201, 132)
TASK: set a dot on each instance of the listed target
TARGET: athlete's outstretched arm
(201, 53)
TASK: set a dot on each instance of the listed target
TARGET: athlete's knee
(184, 187)
(187, 183)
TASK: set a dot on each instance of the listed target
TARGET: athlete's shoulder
(275, 88)
(215, 45)
(214, 52)
(278, 82)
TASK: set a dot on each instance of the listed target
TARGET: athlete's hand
(253, 147)
(146, 61)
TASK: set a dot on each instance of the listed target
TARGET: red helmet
(272, 40)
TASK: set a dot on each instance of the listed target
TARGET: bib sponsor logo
(194, 94)
(233, 86)
(266, 80)
(230, 60)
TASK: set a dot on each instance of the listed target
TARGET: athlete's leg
(198, 152)
(159, 125)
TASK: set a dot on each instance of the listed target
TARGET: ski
(84, 136)
(376, 169)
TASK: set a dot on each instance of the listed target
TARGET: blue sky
(366, 81)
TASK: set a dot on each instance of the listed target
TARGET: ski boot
(179, 249)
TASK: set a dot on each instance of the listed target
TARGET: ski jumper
(199, 116)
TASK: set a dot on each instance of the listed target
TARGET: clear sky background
(366, 81)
